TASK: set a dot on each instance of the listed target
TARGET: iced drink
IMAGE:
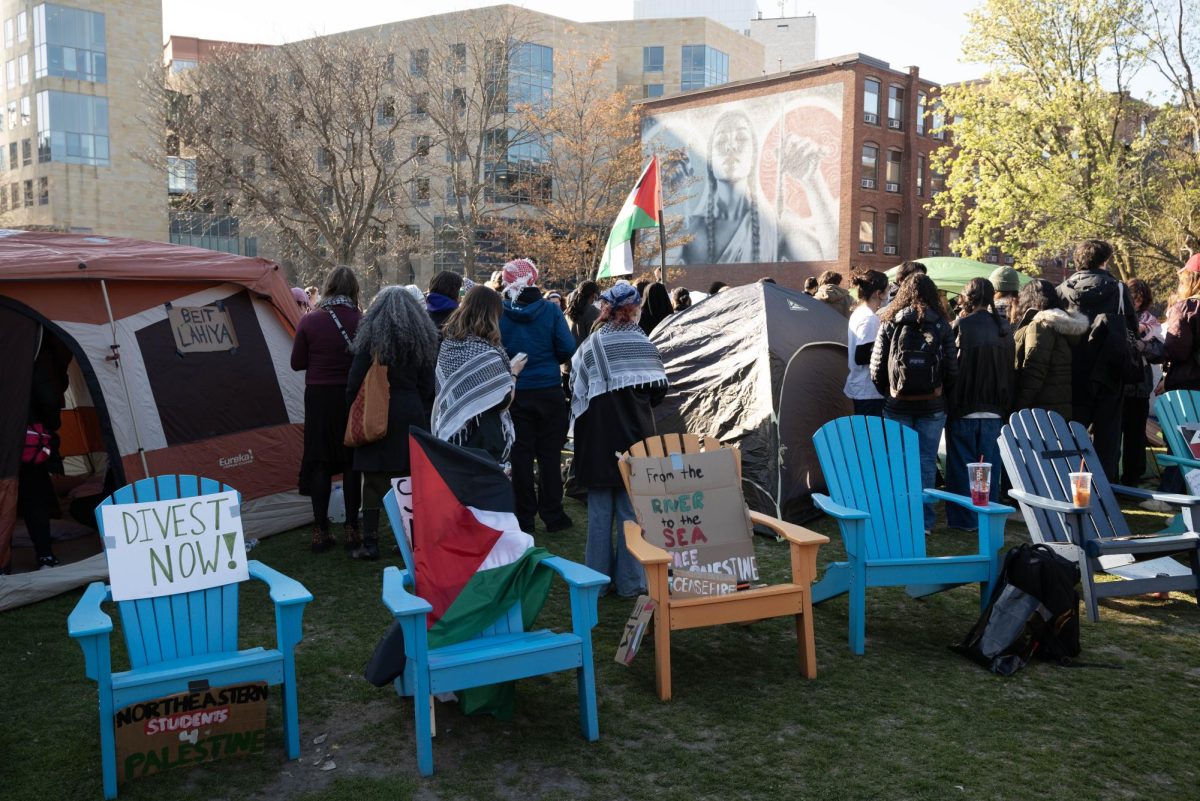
(1081, 489)
(980, 475)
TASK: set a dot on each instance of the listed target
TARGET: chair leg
(858, 611)
(423, 733)
(589, 721)
(1086, 583)
(806, 641)
(662, 653)
(291, 714)
(108, 750)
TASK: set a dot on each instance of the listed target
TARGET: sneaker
(47, 562)
(1155, 505)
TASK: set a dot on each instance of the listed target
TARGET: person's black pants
(1101, 414)
(540, 418)
(1133, 440)
(37, 504)
(322, 489)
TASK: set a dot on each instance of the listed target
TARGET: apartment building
(73, 119)
(824, 167)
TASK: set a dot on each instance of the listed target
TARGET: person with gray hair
(396, 331)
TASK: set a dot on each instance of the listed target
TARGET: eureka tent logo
(794, 306)
(239, 460)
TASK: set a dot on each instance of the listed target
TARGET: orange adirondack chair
(778, 600)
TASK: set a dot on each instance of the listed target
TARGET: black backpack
(915, 361)
(1034, 611)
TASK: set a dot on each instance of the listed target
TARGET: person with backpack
(980, 398)
(914, 365)
(871, 286)
(1045, 338)
(1104, 360)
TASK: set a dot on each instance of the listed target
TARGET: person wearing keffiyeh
(617, 379)
(475, 378)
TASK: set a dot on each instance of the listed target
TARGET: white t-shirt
(864, 327)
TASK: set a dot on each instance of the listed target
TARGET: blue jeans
(929, 436)
(607, 506)
(872, 407)
(967, 440)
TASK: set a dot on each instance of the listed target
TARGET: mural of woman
(737, 226)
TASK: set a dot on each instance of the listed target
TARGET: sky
(926, 33)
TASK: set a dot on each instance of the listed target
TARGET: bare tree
(300, 143)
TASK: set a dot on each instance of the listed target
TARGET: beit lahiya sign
(167, 547)
(202, 329)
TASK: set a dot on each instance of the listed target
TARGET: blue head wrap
(621, 294)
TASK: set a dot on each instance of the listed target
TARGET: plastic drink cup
(1081, 489)
(980, 476)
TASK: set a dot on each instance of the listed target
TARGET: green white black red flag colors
(472, 561)
(642, 209)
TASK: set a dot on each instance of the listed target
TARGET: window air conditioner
(889, 250)
(866, 247)
(868, 183)
(892, 187)
(894, 124)
(868, 117)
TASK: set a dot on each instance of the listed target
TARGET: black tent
(762, 367)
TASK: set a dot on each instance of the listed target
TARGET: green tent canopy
(951, 274)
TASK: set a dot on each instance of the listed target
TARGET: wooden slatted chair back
(1039, 450)
(874, 465)
(1173, 409)
(666, 444)
(509, 621)
(185, 624)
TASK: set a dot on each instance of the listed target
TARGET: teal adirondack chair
(1173, 409)
(872, 469)
(502, 652)
(174, 640)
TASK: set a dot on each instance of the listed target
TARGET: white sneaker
(1155, 505)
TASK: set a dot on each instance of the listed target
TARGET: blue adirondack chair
(1040, 449)
(872, 469)
(177, 639)
(502, 652)
(1173, 409)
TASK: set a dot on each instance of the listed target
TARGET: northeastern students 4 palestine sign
(166, 547)
(190, 728)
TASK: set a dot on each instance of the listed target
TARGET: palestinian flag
(472, 561)
(641, 210)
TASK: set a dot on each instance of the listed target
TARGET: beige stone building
(73, 118)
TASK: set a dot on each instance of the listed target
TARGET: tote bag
(368, 418)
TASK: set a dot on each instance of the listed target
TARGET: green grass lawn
(909, 720)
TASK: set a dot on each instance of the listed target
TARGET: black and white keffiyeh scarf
(616, 356)
(472, 376)
(336, 300)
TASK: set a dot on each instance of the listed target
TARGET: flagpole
(662, 249)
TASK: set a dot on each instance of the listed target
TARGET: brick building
(838, 153)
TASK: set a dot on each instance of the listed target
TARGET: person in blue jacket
(535, 327)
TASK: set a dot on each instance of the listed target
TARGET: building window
(937, 182)
(3, 199)
(935, 238)
(895, 108)
(652, 59)
(458, 57)
(952, 236)
(894, 163)
(866, 231)
(870, 166)
(12, 114)
(179, 65)
(70, 43)
(419, 105)
(14, 192)
(29, 194)
(871, 101)
(938, 120)
(181, 175)
(386, 113)
(652, 90)
(421, 191)
(211, 232)
(703, 66)
(23, 69)
(324, 158)
(516, 170)
(43, 191)
(891, 233)
(10, 28)
(921, 176)
(26, 152)
(921, 108)
(420, 147)
(10, 73)
(530, 77)
(418, 63)
(458, 99)
(72, 128)
(22, 27)
(26, 116)
(14, 155)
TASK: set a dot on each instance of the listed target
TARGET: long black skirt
(325, 411)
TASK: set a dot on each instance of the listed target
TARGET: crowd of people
(1087, 349)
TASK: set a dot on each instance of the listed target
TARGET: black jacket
(613, 421)
(934, 325)
(1092, 293)
(985, 366)
(410, 403)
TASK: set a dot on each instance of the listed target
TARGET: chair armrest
(789, 531)
(285, 591)
(1049, 504)
(575, 574)
(399, 601)
(643, 551)
(87, 619)
(962, 500)
(1181, 461)
(833, 509)
(1165, 497)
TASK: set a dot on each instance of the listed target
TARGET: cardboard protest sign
(166, 547)
(190, 728)
(686, 583)
(202, 329)
(691, 505)
(635, 629)
(403, 489)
